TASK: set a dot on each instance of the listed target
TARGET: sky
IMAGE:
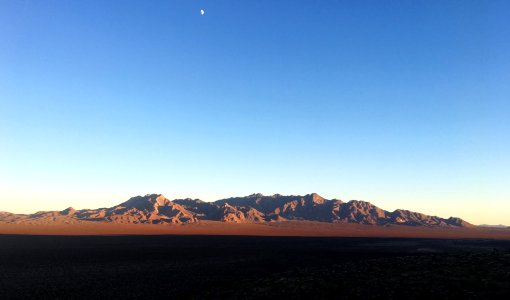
(405, 104)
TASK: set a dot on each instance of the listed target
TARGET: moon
(202, 12)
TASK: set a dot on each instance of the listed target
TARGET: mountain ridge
(255, 208)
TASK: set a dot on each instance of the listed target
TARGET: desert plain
(287, 228)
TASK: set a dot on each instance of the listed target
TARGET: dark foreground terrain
(237, 267)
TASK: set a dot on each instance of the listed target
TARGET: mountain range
(255, 208)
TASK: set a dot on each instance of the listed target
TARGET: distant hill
(494, 226)
(256, 208)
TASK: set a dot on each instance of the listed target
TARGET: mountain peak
(154, 195)
(68, 211)
(316, 198)
(143, 201)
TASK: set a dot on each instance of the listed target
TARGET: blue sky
(402, 103)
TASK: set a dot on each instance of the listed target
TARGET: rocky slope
(156, 209)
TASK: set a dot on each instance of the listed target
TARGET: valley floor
(249, 267)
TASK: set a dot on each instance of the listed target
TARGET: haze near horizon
(401, 103)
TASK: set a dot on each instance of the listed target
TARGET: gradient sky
(405, 104)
